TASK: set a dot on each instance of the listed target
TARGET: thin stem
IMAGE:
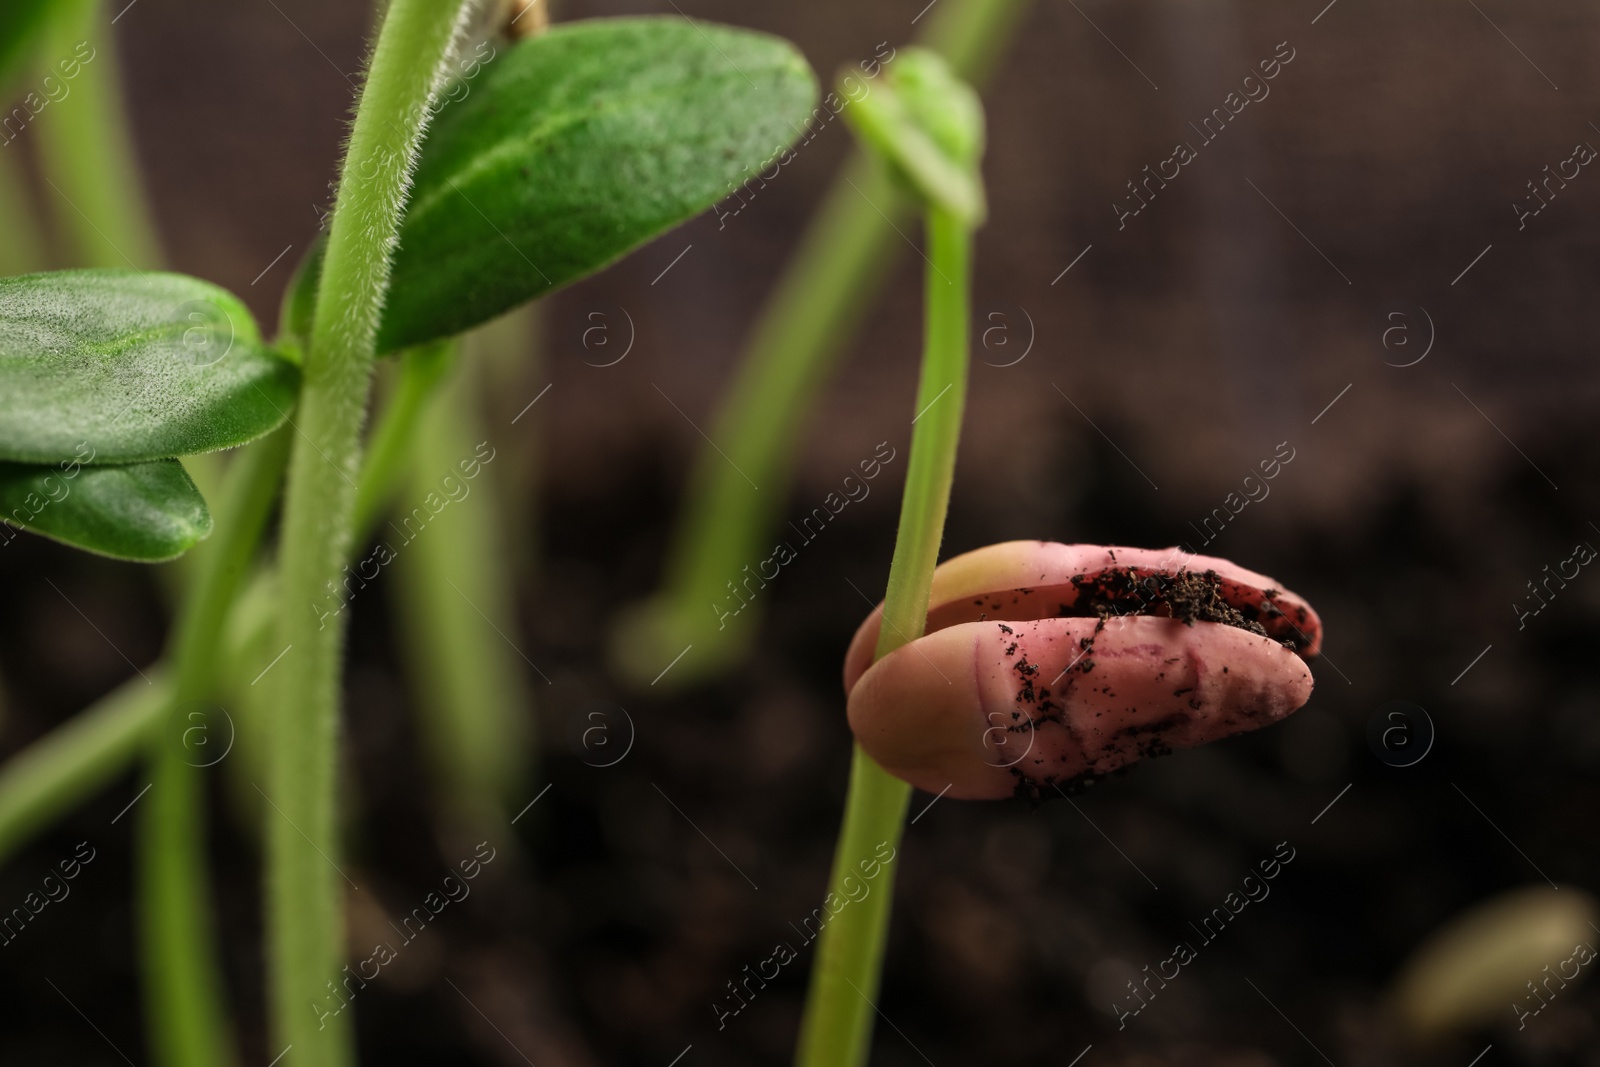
(807, 324)
(941, 399)
(817, 306)
(304, 918)
(393, 439)
(183, 980)
(510, 351)
(87, 153)
(91, 750)
(454, 608)
(836, 1030)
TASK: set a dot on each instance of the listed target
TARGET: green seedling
(572, 148)
(928, 127)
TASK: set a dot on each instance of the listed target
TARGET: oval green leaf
(144, 511)
(571, 149)
(132, 366)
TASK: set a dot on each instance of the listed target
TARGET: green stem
(183, 981)
(393, 439)
(511, 354)
(305, 932)
(87, 154)
(59, 771)
(836, 1030)
(816, 308)
(471, 698)
(807, 323)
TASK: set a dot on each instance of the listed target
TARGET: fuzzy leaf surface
(571, 149)
(132, 366)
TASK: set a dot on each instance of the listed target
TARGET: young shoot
(926, 126)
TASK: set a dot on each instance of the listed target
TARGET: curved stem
(304, 919)
(836, 1030)
(183, 982)
(807, 323)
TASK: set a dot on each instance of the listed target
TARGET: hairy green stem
(807, 323)
(183, 980)
(836, 1030)
(304, 920)
(88, 157)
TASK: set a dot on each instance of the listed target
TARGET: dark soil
(1188, 596)
(613, 925)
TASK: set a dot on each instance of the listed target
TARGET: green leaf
(131, 366)
(22, 23)
(927, 124)
(571, 149)
(144, 511)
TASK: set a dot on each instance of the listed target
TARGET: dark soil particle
(1188, 596)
